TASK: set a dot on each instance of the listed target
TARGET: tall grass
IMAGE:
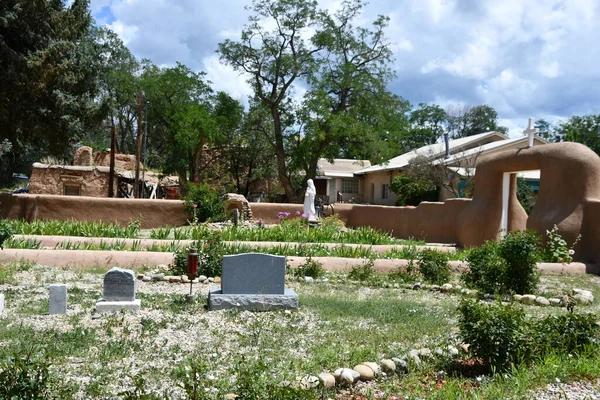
(75, 228)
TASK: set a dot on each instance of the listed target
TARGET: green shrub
(6, 232)
(433, 266)
(567, 332)
(498, 334)
(24, 376)
(203, 203)
(487, 270)
(507, 266)
(557, 249)
(362, 272)
(412, 191)
(520, 249)
(210, 257)
(310, 268)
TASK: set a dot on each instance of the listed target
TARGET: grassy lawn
(172, 349)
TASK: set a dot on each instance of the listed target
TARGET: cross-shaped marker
(530, 132)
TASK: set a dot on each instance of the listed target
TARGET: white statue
(309, 201)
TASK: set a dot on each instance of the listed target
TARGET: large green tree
(427, 125)
(466, 121)
(582, 129)
(346, 111)
(349, 112)
(48, 78)
(274, 60)
(181, 122)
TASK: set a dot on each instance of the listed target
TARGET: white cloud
(225, 79)
(524, 58)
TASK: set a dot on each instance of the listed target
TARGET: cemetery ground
(173, 349)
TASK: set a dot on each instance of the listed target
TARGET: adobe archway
(569, 196)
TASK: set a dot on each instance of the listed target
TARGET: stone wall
(52, 180)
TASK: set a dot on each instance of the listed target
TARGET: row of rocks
(368, 371)
(160, 277)
(577, 296)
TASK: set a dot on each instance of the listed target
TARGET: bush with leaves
(433, 266)
(362, 272)
(557, 249)
(203, 203)
(497, 333)
(520, 249)
(412, 191)
(310, 267)
(24, 375)
(6, 232)
(505, 267)
(487, 269)
(569, 332)
(210, 257)
(501, 335)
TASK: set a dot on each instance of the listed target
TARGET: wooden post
(138, 151)
(111, 171)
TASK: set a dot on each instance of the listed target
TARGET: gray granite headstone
(119, 285)
(1, 303)
(58, 299)
(254, 282)
(253, 273)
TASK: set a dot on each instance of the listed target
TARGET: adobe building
(90, 176)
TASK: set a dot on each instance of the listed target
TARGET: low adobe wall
(267, 212)
(152, 213)
(434, 222)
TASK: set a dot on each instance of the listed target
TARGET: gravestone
(119, 291)
(253, 281)
(1, 303)
(58, 299)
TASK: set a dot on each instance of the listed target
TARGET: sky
(524, 58)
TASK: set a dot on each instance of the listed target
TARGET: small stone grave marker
(253, 281)
(119, 291)
(58, 299)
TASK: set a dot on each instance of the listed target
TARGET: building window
(349, 185)
(385, 191)
(72, 190)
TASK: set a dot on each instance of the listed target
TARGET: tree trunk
(280, 154)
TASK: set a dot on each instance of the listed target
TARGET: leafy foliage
(505, 267)
(48, 78)
(557, 248)
(412, 191)
(24, 375)
(520, 249)
(487, 269)
(6, 232)
(310, 268)
(502, 336)
(498, 334)
(525, 195)
(433, 266)
(203, 203)
(362, 272)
